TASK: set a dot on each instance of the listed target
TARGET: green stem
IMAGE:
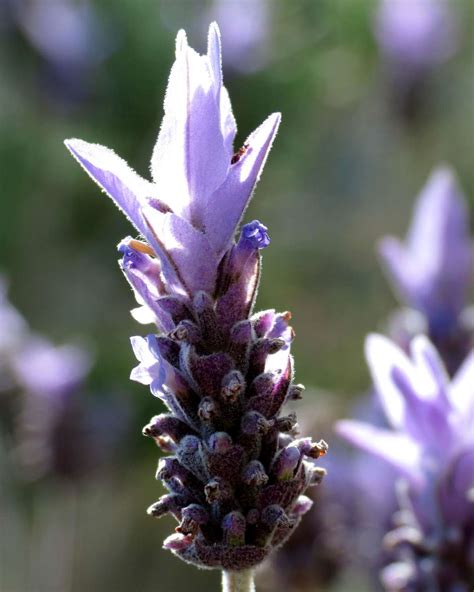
(238, 581)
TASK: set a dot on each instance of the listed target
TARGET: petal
(214, 54)
(187, 250)
(461, 393)
(400, 270)
(227, 204)
(382, 356)
(190, 159)
(143, 315)
(127, 189)
(142, 351)
(441, 221)
(396, 449)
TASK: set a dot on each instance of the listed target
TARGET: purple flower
(48, 371)
(431, 445)
(200, 188)
(235, 473)
(416, 34)
(432, 270)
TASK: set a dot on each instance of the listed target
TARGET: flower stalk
(238, 581)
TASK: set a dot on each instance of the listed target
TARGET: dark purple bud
(166, 424)
(171, 503)
(169, 469)
(271, 518)
(254, 474)
(295, 392)
(217, 490)
(207, 318)
(286, 463)
(274, 516)
(253, 424)
(188, 332)
(220, 442)
(241, 336)
(255, 235)
(287, 423)
(260, 350)
(189, 454)
(262, 385)
(207, 372)
(207, 410)
(175, 307)
(234, 526)
(233, 386)
(253, 427)
(224, 459)
(193, 516)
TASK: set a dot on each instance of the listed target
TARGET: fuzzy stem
(238, 581)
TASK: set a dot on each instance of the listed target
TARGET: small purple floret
(256, 234)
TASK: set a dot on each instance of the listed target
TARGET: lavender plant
(431, 445)
(432, 271)
(236, 475)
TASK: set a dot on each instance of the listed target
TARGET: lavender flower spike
(433, 269)
(235, 473)
(432, 447)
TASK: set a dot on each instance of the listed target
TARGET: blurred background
(373, 94)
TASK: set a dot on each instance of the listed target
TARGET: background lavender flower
(236, 474)
(431, 271)
(415, 37)
(431, 446)
(69, 37)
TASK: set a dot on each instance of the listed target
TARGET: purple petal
(461, 393)
(127, 189)
(214, 53)
(433, 269)
(227, 204)
(187, 250)
(190, 159)
(397, 449)
(149, 369)
(382, 356)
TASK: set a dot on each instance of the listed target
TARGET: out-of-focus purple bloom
(417, 34)
(69, 36)
(245, 25)
(431, 445)
(415, 37)
(432, 270)
(48, 371)
(236, 475)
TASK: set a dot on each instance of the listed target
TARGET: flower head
(431, 445)
(235, 472)
(433, 269)
(416, 34)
